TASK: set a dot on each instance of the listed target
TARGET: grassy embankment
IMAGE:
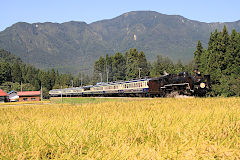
(194, 128)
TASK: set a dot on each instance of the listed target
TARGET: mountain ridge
(74, 46)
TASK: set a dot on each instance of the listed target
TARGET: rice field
(161, 128)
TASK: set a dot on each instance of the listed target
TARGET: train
(167, 85)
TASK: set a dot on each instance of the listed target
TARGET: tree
(28, 87)
(197, 54)
(45, 81)
(8, 86)
(213, 65)
(223, 46)
(118, 67)
(16, 73)
(5, 72)
(52, 77)
(131, 64)
(232, 58)
(99, 70)
(179, 67)
(162, 65)
(108, 68)
(142, 64)
(221, 60)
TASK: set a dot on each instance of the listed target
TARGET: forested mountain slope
(74, 46)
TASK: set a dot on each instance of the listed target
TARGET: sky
(33, 11)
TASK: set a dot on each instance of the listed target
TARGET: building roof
(2, 93)
(29, 93)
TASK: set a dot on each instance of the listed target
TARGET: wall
(29, 98)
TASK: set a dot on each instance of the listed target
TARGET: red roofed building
(3, 96)
(29, 96)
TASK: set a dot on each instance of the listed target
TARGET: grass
(83, 100)
(191, 128)
(25, 102)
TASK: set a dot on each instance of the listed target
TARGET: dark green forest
(128, 66)
(16, 75)
(220, 59)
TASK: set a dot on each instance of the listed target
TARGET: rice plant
(164, 128)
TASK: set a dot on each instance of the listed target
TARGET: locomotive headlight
(202, 85)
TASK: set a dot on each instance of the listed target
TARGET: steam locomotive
(181, 84)
(163, 86)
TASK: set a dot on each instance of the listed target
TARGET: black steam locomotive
(180, 84)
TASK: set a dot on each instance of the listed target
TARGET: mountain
(9, 57)
(74, 46)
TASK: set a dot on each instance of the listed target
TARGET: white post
(107, 76)
(139, 73)
(41, 94)
(72, 83)
(81, 79)
(61, 95)
(100, 76)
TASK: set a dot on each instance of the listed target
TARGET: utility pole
(21, 86)
(81, 79)
(61, 95)
(41, 94)
(107, 74)
(100, 76)
(139, 72)
(107, 70)
(72, 83)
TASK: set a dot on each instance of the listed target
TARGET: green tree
(131, 64)
(16, 73)
(118, 67)
(161, 66)
(52, 77)
(45, 80)
(108, 68)
(143, 64)
(99, 70)
(221, 60)
(197, 54)
(5, 72)
(232, 58)
(179, 67)
(223, 46)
